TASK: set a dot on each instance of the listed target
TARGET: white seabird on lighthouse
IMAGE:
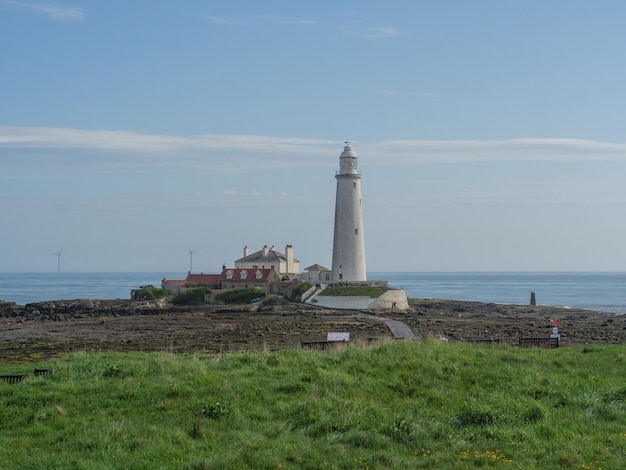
(348, 242)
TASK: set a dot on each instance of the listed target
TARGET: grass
(354, 291)
(394, 405)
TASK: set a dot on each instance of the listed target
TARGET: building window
(340, 277)
(258, 274)
(229, 274)
(243, 274)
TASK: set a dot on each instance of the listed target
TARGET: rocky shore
(46, 329)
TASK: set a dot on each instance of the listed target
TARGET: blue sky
(490, 133)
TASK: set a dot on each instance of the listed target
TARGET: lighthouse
(348, 242)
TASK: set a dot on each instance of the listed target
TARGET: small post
(532, 299)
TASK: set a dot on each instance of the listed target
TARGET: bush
(240, 296)
(191, 296)
(150, 292)
(271, 300)
(297, 292)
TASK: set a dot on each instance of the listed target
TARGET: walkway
(399, 329)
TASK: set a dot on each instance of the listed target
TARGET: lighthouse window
(356, 231)
(354, 185)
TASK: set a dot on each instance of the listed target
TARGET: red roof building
(237, 278)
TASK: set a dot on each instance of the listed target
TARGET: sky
(489, 133)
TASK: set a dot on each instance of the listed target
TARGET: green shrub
(271, 300)
(150, 292)
(240, 296)
(297, 291)
(191, 296)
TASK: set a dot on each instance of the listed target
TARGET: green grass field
(396, 405)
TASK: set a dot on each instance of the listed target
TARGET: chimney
(265, 250)
(246, 252)
(289, 256)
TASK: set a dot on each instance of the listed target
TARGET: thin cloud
(424, 94)
(34, 149)
(408, 152)
(371, 32)
(276, 19)
(390, 93)
(54, 11)
(376, 32)
(393, 93)
(258, 20)
(223, 21)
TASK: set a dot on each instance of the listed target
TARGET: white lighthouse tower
(348, 243)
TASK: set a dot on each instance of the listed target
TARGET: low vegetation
(393, 405)
(150, 292)
(191, 296)
(299, 290)
(241, 296)
(355, 291)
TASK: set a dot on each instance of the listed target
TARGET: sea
(591, 291)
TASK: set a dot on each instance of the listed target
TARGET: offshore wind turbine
(191, 252)
(58, 255)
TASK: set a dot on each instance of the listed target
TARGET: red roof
(245, 274)
(203, 279)
(172, 282)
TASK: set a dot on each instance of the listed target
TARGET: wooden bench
(13, 379)
(39, 372)
(320, 345)
(539, 342)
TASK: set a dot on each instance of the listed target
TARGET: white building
(283, 263)
(348, 242)
(316, 274)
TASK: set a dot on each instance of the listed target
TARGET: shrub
(271, 300)
(191, 296)
(240, 296)
(150, 292)
(297, 291)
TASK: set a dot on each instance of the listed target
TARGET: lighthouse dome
(348, 152)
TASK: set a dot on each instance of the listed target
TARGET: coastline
(48, 329)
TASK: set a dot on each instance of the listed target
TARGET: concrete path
(399, 329)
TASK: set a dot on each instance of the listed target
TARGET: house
(210, 281)
(172, 284)
(285, 265)
(316, 274)
(240, 278)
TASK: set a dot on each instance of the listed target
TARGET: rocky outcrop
(61, 310)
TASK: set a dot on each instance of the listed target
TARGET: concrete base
(394, 299)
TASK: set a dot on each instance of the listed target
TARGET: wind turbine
(191, 252)
(58, 255)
